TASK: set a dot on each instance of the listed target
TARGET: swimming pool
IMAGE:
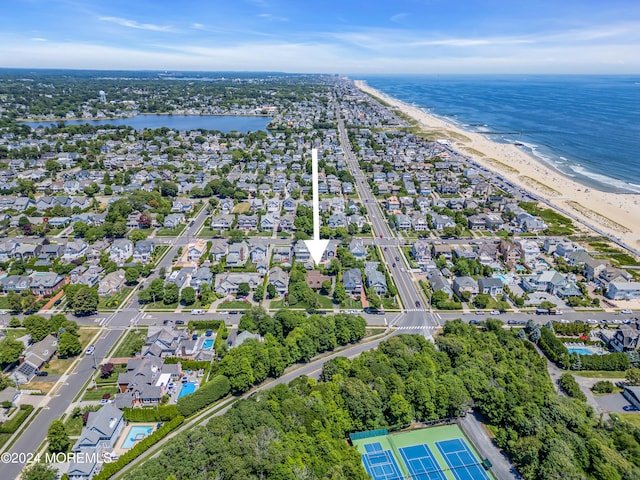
(208, 344)
(186, 389)
(581, 351)
(501, 277)
(135, 434)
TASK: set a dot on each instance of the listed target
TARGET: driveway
(612, 402)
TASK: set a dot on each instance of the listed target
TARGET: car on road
(197, 311)
(394, 265)
(630, 408)
(166, 322)
(57, 302)
(397, 259)
(179, 322)
(478, 312)
(626, 311)
(91, 349)
(417, 304)
(495, 312)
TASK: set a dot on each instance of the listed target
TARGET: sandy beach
(614, 213)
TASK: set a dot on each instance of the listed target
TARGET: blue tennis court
(380, 464)
(421, 463)
(461, 461)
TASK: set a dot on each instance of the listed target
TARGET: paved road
(36, 432)
(412, 299)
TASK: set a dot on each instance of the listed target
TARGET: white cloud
(124, 22)
(198, 26)
(38, 39)
(273, 18)
(398, 17)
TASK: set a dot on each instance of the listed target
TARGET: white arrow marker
(316, 246)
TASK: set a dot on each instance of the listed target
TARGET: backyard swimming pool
(135, 434)
(186, 389)
(581, 351)
(208, 344)
(501, 277)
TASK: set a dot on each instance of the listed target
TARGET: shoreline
(614, 213)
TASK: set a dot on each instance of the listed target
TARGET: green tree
(58, 437)
(156, 290)
(633, 376)
(399, 410)
(326, 287)
(80, 229)
(271, 291)
(243, 289)
(10, 350)
(85, 301)
(258, 295)
(374, 299)
(171, 294)
(69, 345)
(37, 326)
(339, 293)
(188, 296)
(131, 275)
(14, 302)
(168, 189)
(39, 471)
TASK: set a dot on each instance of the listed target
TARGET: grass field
(170, 232)
(112, 302)
(428, 436)
(125, 347)
(97, 393)
(234, 305)
(632, 418)
(599, 374)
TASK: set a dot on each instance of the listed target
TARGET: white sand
(615, 213)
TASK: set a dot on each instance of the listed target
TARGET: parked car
(197, 311)
(630, 408)
(43, 374)
(495, 312)
(179, 322)
(626, 311)
(91, 349)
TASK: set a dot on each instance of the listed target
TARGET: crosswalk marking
(417, 327)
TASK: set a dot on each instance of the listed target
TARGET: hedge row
(138, 449)
(551, 346)
(188, 364)
(569, 385)
(162, 413)
(612, 362)
(11, 425)
(204, 324)
(206, 395)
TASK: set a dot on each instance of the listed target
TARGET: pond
(223, 123)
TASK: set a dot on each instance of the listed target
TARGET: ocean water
(585, 126)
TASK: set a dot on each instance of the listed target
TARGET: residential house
(46, 284)
(352, 281)
(465, 284)
(112, 283)
(626, 339)
(34, 357)
(238, 254)
(196, 250)
(511, 254)
(143, 251)
(173, 220)
(121, 251)
(439, 283)
(279, 279)
(227, 283)
(75, 249)
(201, 276)
(623, 290)
(259, 252)
(247, 222)
(221, 222)
(403, 222)
(182, 205)
(490, 286)
(315, 279)
(358, 249)
(376, 281)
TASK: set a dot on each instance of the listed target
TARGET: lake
(223, 123)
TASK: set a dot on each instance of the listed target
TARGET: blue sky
(347, 36)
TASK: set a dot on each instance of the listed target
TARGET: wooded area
(300, 430)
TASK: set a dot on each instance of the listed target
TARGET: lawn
(111, 379)
(599, 374)
(407, 254)
(632, 418)
(85, 335)
(350, 303)
(234, 305)
(242, 207)
(4, 303)
(112, 302)
(171, 232)
(124, 349)
(59, 365)
(97, 393)
(14, 333)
